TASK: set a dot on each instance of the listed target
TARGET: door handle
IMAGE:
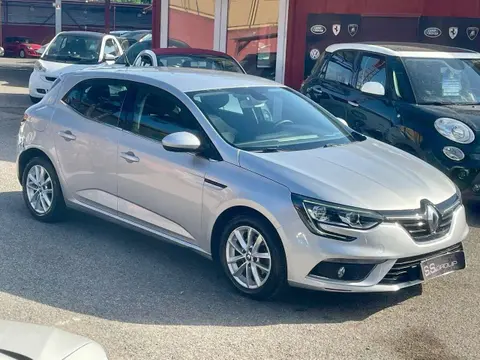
(129, 157)
(67, 135)
(353, 103)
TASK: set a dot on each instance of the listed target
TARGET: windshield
(79, 49)
(444, 81)
(270, 119)
(200, 62)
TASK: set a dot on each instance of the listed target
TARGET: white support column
(282, 40)
(164, 23)
(58, 16)
(220, 25)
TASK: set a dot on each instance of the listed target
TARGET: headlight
(29, 47)
(38, 66)
(454, 130)
(317, 215)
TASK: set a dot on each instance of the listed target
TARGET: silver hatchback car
(245, 171)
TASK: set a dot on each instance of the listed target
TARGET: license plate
(442, 264)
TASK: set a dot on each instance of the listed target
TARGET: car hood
(58, 68)
(367, 174)
(45, 343)
(469, 114)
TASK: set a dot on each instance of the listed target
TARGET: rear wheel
(22, 54)
(252, 257)
(42, 192)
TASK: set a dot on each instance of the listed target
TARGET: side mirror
(109, 57)
(342, 121)
(373, 88)
(181, 142)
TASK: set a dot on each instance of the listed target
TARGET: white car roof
(184, 79)
(411, 50)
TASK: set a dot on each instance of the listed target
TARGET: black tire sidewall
(277, 279)
(57, 209)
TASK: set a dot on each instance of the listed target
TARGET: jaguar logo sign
(318, 29)
(432, 32)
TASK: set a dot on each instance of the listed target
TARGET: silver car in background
(245, 171)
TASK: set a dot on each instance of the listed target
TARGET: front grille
(49, 78)
(420, 231)
(408, 269)
(416, 221)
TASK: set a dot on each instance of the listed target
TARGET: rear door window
(98, 99)
(340, 67)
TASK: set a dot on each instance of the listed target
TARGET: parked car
(24, 341)
(135, 36)
(119, 32)
(20, 46)
(424, 99)
(132, 52)
(188, 57)
(261, 64)
(70, 51)
(242, 170)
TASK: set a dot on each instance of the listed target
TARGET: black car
(424, 99)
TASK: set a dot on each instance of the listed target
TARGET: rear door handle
(129, 157)
(353, 103)
(67, 135)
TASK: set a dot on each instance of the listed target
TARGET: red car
(20, 46)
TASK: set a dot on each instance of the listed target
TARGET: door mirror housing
(373, 88)
(342, 121)
(181, 142)
(109, 57)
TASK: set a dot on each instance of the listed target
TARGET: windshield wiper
(267, 150)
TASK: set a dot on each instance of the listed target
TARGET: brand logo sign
(318, 29)
(433, 218)
(432, 32)
(336, 29)
(314, 54)
(472, 32)
(453, 32)
(353, 29)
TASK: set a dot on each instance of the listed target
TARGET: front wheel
(252, 257)
(22, 54)
(42, 192)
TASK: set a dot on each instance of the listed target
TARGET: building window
(191, 23)
(252, 33)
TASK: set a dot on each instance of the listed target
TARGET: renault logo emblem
(433, 218)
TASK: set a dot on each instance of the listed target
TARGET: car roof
(183, 79)
(412, 50)
(84, 33)
(187, 51)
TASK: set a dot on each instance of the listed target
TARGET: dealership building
(277, 39)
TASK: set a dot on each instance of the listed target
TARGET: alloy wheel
(39, 189)
(248, 257)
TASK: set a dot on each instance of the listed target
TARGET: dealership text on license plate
(443, 264)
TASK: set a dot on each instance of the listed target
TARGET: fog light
(453, 153)
(462, 174)
(341, 272)
(476, 188)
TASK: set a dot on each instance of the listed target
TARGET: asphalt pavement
(145, 299)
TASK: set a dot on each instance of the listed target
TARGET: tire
(57, 209)
(22, 54)
(276, 281)
(34, 99)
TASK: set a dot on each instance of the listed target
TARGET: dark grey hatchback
(424, 99)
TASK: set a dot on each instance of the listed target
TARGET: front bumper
(39, 84)
(384, 245)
